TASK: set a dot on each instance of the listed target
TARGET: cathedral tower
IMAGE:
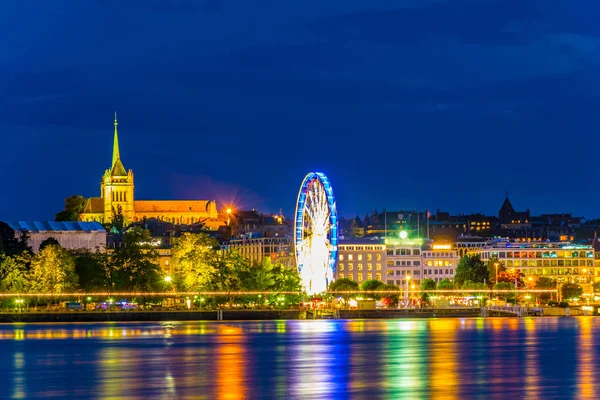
(116, 187)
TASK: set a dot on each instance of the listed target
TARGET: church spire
(116, 156)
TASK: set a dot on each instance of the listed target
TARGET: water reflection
(411, 359)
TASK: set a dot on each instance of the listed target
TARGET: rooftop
(55, 226)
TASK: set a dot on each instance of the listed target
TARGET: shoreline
(240, 315)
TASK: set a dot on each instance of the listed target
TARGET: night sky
(404, 104)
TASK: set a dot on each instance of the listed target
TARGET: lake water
(475, 358)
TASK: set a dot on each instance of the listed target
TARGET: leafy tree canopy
(571, 290)
(471, 268)
(53, 271)
(73, 207)
(47, 242)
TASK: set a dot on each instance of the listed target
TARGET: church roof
(118, 169)
(169, 206)
(54, 226)
(94, 205)
(507, 206)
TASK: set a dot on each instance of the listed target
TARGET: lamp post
(407, 287)
(496, 264)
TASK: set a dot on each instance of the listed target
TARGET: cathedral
(117, 189)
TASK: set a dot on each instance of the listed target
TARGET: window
(369, 276)
(378, 257)
(369, 267)
(350, 267)
(378, 276)
(408, 263)
(341, 257)
(350, 257)
(398, 272)
(341, 267)
(359, 257)
(416, 263)
(341, 275)
(416, 272)
(389, 253)
(416, 252)
(390, 272)
(389, 263)
(360, 276)
(378, 266)
(369, 257)
(360, 266)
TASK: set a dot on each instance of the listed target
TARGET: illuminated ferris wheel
(316, 233)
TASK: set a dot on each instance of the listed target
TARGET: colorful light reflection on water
(409, 359)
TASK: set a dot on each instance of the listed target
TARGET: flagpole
(427, 224)
(385, 223)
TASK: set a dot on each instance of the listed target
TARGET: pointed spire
(116, 156)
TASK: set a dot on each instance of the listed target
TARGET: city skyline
(211, 96)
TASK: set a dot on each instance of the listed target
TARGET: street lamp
(407, 283)
(168, 278)
(496, 264)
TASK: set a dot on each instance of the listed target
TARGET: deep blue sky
(402, 103)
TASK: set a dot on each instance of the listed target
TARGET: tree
(511, 275)
(473, 287)
(343, 285)
(14, 274)
(193, 260)
(543, 282)
(10, 244)
(471, 268)
(372, 285)
(117, 223)
(571, 291)
(48, 242)
(505, 286)
(427, 284)
(391, 298)
(445, 284)
(53, 271)
(73, 207)
(91, 268)
(134, 266)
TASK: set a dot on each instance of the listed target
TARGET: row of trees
(198, 265)
(472, 271)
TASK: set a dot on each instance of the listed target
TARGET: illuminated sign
(442, 247)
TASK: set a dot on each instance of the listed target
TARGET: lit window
(369, 257)
(369, 276)
(341, 267)
(359, 257)
(360, 276)
(360, 267)
(350, 267)
(341, 275)
(341, 257)
(378, 276)
(369, 267)
(350, 257)
(378, 257)
(378, 267)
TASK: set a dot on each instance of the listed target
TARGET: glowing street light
(168, 278)
(496, 264)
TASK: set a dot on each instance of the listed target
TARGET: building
(360, 260)
(439, 262)
(278, 249)
(564, 262)
(70, 235)
(117, 193)
(404, 261)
